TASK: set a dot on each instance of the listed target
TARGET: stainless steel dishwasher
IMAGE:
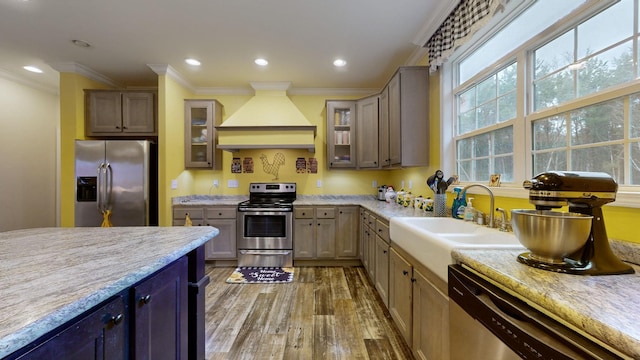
(488, 323)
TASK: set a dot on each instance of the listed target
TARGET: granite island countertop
(605, 307)
(51, 275)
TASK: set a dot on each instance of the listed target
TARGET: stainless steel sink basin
(431, 240)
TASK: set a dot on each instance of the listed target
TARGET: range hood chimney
(269, 120)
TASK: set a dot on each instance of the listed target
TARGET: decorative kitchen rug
(261, 275)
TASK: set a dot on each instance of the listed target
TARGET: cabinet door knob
(405, 272)
(115, 320)
(384, 251)
(124, 127)
(145, 299)
(219, 214)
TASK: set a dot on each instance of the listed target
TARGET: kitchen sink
(431, 239)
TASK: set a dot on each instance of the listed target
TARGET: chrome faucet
(464, 191)
(504, 224)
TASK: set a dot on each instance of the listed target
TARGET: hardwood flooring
(325, 313)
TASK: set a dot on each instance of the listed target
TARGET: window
(481, 107)
(563, 95)
(586, 59)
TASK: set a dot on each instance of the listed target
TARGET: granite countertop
(381, 208)
(50, 275)
(605, 307)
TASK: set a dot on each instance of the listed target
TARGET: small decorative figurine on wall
(274, 167)
(236, 166)
(301, 165)
(247, 165)
(313, 165)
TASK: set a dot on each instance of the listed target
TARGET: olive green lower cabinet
(419, 306)
(325, 235)
(222, 249)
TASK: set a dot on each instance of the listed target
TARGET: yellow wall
(171, 97)
(71, 128)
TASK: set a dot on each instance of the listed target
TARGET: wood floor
(325, 313)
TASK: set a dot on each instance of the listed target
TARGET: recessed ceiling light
(81, 43)
(339, 62)
(261, 62)
(32, 69)
(193, 62)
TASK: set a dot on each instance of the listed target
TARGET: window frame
(522, 132)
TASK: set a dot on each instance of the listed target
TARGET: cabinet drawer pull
(145, 299)
(115, 320)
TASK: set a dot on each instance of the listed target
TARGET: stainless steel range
(265, 226)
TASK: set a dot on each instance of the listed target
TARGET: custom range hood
(269, 120)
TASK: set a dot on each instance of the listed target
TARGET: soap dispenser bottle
(457, 210)
(469, 210)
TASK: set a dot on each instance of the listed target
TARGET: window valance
(463, 21)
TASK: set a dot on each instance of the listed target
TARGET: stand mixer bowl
(551, 235)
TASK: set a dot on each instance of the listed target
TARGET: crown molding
(28, 82)
(76, 68)
(433, 23)
(168, 70)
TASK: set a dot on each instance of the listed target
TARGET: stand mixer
(584, 193)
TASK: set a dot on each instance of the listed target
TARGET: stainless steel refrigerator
(116, 175)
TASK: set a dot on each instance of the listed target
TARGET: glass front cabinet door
(201, 117)
(341, 144)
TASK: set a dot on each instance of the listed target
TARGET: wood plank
(305, 274)
(271, 346)
(338, 281)
(280, 314)
(347, 328)
(322, 292)
(366, 304)
(229, 313)
(249, 337)
(299, 343)
(324, 337)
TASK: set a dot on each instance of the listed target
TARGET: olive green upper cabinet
(341, 134)
(405, 119)
(200, 138)
(367, 136)
(111, 113)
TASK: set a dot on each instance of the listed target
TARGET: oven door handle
(265, 252)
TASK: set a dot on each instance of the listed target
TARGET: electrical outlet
(402, 184)
(216, 183)
(374, 184)
(232, 183)
(410, 184)
(174, 184)
(319, 183)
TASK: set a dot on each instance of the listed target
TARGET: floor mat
(261, 275)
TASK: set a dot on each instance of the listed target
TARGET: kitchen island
(605, 308)
(50, 276)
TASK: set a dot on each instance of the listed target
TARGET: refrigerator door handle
(99, 190)
(108, 186)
